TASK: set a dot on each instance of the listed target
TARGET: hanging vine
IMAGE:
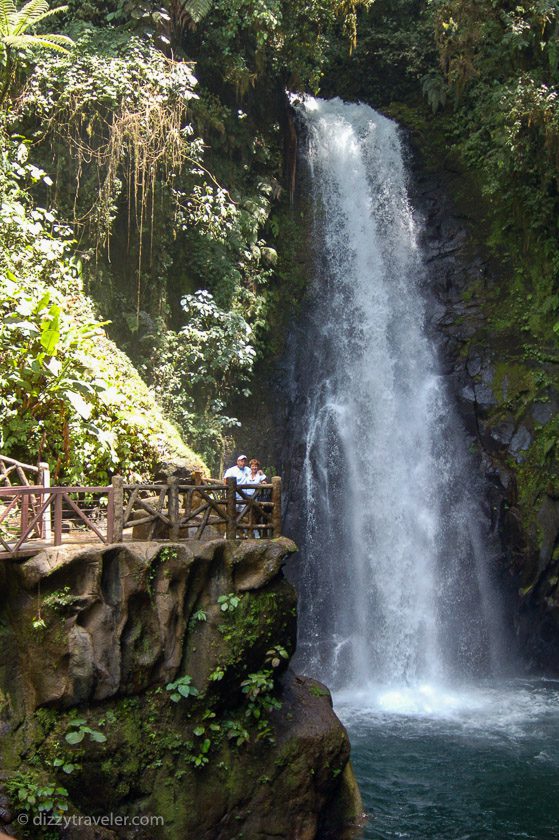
(123, 118)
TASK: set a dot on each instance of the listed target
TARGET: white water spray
(391, 594)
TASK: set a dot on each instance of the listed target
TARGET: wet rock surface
(167, 666)
(491, 385)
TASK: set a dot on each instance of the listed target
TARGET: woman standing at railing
(256, 476)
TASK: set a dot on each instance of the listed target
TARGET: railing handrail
(38, 489)
(43, 511)
(15, 463)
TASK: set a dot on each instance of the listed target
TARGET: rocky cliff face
(507, 394)
(151, 679)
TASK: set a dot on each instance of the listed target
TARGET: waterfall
(393, 571)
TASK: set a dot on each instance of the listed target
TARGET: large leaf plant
(14, 35)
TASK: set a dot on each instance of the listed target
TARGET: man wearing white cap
(240, 471)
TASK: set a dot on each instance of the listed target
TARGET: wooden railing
(172, 511)
(15, 472)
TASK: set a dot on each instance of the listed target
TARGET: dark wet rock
(123, 622)
(474, 364)
(503, 432)
(548, 520)
(468, 393)
(542, 412)
(497, 393)
(6, 812)
(520, 442)
(484, 395)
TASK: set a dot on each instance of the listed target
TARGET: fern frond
(33, 13)
(60, 43)
(7, 9)
(61, 40)
(26, 15)
(47, 14)
(197, 9)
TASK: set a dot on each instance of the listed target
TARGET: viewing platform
(34, 515)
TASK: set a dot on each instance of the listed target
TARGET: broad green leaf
(79, 405)
(54, 365)
(43, 302)
(49, 340)
(185, 690)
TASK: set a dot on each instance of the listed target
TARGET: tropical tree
(14, 34)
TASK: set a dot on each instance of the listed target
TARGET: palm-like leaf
(14, 23)
(53, 42)
(32, 10)
(7, 9)
(197, 9)
(32, 14)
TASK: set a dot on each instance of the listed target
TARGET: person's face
(254, 468)
(241, 462)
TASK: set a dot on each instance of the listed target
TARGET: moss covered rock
(150, 680)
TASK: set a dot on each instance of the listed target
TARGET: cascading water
(397, 610)
(391, 589)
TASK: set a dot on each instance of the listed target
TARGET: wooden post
(173, 509)
(110, 517)
(44, 481)
(117, 502)
(251, 532)
(188, 509)
(276, 510)
(231, 526)
(58, 519)
(24, 513)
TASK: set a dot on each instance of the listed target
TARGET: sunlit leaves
(66, 394)
(14, 36)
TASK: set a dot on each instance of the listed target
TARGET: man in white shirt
(240, 471)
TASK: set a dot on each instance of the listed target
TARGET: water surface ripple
(479, 764)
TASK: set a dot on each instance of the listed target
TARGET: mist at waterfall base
(399, 612)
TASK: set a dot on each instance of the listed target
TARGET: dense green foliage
(66, 394)
(15, 35)
(500, 62)
(173, 189)
(500, 65)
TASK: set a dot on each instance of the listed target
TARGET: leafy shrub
(35, 797)
(182, 689)
(66, 394)
(196, 370)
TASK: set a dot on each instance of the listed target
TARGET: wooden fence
(33, 517)
(15, 473)
(25, 474)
